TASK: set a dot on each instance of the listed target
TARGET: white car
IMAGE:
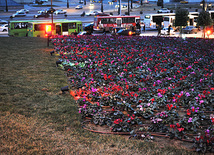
(122, 6)
(164, 10)
(3, 22)
(79, 7)
(164, 31)
(42, 11)
(92, 13)
(4, 28)
(110, 2)
(82, 33)
(23, 10)
(18, 14)
(60, 11)
(91, 4)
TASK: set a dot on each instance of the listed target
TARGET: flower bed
(166, 82)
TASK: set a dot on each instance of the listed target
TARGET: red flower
(180, 129)
(178, 125)
(152, 99)
(188, 112)
(172, 126)
(193, 109)
(212, 88)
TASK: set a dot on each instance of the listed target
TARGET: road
(74, 14)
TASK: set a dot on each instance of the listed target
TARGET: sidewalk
(198, 35)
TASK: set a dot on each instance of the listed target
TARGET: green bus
(60, 27)
(36, 28)
(17, 28)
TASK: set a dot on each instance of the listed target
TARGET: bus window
(128, 20)
(166, 19)
(112, 20)
(39, 27)
(64, 26)
(30, 25)
(104, 21)
(20, 25)
(72, 26)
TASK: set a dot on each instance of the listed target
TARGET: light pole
(102, 6)
(128, 8)
(6, 6)
(67, 3)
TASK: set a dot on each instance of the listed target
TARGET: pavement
(148, 8)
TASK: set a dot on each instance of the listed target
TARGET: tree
(181, 18)
(204, 20)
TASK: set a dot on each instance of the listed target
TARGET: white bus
(166, 19)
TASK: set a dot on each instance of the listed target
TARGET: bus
(166, 19)
(60, 27)
(36, 28)
(17, 28)
(106, 23)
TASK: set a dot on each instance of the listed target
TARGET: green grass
(35, 118)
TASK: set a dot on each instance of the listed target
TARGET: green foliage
(181, 17)
(204, 19)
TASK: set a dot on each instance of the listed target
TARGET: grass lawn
(35, 118)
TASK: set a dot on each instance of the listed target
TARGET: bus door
(58, 28)
(64, 28)
(79, 27)
(119, 22)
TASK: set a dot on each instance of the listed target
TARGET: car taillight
(130, 33)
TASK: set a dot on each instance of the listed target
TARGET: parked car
(50, 10)
(164, 31)
(101, 14)
(122, 6)
(23, 10)
(96, 1)
(3, 22)
(91, 13)
(110, 2)
(4, 28)
(42, 11)
(60, 11)
(81, 2)
(91, 4)
(163, 10)
(83, 33)
(79, 7)
(46, 15)
(89, 27)
(190, 30)
(115, 30)
(18, 14)
(128, 32)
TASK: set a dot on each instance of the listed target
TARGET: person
(144, 27)
(159, 30)
(138, 26)
(169, 29)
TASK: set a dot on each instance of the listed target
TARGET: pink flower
(159, 95)
(201, 101)
(190, 120)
